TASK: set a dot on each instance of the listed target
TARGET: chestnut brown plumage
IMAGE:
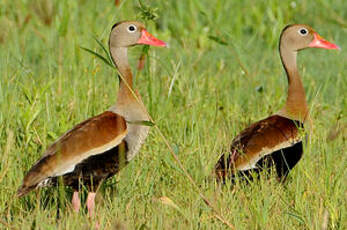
(99, 147)
(276, 140)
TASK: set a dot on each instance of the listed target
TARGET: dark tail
(23, 190)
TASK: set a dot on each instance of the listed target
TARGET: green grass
(48, 84)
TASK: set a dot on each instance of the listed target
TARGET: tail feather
(23, 190)
(26, 188)
(33, 179)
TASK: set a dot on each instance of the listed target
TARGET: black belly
(283, 160)
(93, 170)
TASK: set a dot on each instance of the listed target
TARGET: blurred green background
(221, 72)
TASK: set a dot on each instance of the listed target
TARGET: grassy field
(221, 72)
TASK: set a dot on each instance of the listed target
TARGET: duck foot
(76, 203)
(91, 207)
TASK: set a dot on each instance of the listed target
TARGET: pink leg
(76, 203)
(91, 203)
(91, 206)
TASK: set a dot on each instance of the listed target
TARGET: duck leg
(90, 206)
(76, 203)
(91, 203)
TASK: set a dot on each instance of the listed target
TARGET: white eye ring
(131, 28)
(303, 31)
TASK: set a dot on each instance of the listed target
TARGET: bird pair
(99, 147)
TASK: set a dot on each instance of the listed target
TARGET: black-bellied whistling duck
(97, 148)
(277, 139)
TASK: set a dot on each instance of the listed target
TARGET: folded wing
(91, 137)
(257, 141)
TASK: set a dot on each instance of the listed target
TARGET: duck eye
(303, 32)
(131, 28)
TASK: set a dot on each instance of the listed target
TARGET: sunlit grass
(200, 93)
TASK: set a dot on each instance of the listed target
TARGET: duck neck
(296, 106)
(120, 58)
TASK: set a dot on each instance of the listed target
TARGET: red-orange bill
(319, 42)
(148, 39)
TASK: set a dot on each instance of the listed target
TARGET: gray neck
(296, 106)
(120, 58)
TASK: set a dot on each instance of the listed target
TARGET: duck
(275, 142)
(99, 147)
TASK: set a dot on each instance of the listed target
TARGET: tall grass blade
(144, 123)
(104, 49)
(218, 40)
(107, 62)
